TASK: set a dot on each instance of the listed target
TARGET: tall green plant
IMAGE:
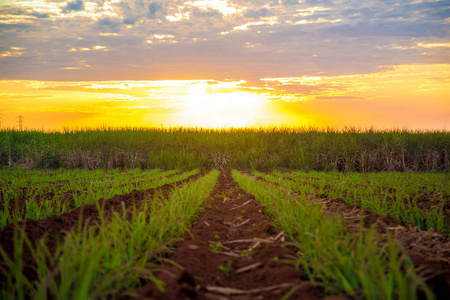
(262, 148)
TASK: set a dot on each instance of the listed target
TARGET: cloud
(256, 13)
(131, 20)
(12, 52)
(76, 5)
(156, 10)
(391, 29)
(39, 15)
(108, 24)
(131, 11)
(339, 98)
(205, 12)
(12, 26)
(238, 39)
(289, 2)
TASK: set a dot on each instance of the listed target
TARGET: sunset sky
(79, 63)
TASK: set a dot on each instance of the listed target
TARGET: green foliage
(245, 149)
(56, 192)
(215, 247)
(226, 268)
(167, 159)
(358, 264)
(399, 195)
(101, 261)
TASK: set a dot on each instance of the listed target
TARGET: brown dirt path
(232, 253)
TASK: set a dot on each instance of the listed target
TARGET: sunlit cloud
(267, 21)
(178, 17)
(13, 52)
(114, 97)
(15, 19)
(303, 12)
(220, 5)
(318, 20)
(410, 79)
(108, 34)
(270, 38)
(434, 45)
(102, 48)
(80, 65)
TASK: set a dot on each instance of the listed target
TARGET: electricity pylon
(21, 121)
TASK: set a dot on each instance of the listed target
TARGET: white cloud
(434, 45)
(220, 5)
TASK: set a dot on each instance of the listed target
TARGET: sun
(196, 101)
(205, 107)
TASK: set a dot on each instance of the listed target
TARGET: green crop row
(359, 264)
(417, 199)
(40, 201)
(437, 184)
(244, 149)
(106, 260)
(26, 181)
(25, 178)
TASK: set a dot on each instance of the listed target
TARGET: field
(224, 214)
(264, 148)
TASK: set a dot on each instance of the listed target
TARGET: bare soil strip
(427, 249)
(232, 253)
(56, 227)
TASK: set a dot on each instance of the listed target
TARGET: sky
(225, 63)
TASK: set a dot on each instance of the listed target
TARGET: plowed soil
(428, 250)
(232, 253)
(56, 227)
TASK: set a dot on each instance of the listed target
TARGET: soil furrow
(232, 253)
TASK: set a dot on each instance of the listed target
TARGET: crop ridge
(56, 227)
(315, 245)
(425, 206)
(45, 200)
(429, 250)
(232, 252)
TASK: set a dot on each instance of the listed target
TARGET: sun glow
(209, 108)
(412, 96)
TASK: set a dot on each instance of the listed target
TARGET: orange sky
(406, 96)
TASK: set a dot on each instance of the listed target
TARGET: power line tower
(21, 121)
